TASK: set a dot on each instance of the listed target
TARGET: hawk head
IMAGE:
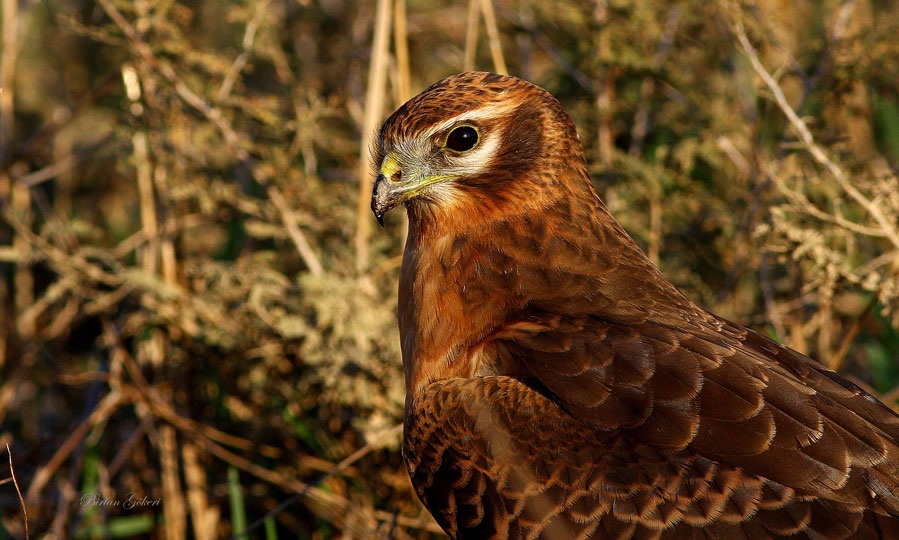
(472, 143)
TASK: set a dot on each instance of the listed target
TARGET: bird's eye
(462, 138)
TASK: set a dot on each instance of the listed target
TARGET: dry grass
(194, 308)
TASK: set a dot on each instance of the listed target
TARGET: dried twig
(471, 34)
(249, 37)
(604, 84)
(836, 218)
(8, 57)
(15, 482)
(174, 509)
(101, 413)
(401, 44)
(374, 105)
(296, 235)
(889, 229)
(46, 173)
(496, 49)
(204, 517)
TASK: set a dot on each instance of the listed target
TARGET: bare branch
(15, 482)
(889, 229)
(374, 105)
(296, 235)
(249, 37)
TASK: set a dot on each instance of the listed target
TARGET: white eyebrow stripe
(490, 110)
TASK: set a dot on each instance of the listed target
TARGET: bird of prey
(559, 387)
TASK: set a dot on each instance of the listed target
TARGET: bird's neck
(445, 310)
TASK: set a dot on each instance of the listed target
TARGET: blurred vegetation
(195, 308)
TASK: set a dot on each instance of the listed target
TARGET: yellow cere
(390, 166)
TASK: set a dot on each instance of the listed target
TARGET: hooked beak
(389, 189)
(395, 186)
(385, 195)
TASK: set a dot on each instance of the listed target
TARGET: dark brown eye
(462, 138)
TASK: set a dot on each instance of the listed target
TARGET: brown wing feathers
(491, 482)
(560, 387)
(727, 402)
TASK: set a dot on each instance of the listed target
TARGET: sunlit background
(197, 308)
